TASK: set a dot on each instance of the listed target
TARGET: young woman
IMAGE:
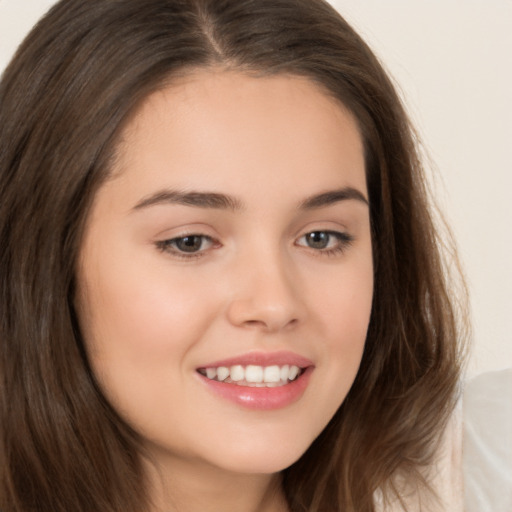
(221, 286)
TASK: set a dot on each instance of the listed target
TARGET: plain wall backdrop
(452, 61)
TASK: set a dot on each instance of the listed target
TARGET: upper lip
(263, 359)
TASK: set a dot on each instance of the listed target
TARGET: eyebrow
(197, 199)
(332, 197)
(214, 200)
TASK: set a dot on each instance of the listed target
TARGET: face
(225, 279)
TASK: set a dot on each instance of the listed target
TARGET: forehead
(214, 129)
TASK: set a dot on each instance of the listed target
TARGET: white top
(487, 447)
(473, 472)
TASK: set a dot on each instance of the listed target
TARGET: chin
(262, 457)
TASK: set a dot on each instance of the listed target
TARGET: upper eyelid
(188, 235)
(342, 236)
(185, 234)
(301, 233)
(186, 229)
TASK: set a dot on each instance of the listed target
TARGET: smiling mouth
(253, 375)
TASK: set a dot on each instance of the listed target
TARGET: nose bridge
(265, 292)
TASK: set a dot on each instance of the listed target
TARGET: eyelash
(169, 246)
(344, 240)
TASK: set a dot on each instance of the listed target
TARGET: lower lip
(263, 399)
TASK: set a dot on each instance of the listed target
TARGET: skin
(151, 316)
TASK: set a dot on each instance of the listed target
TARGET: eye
(189, 245)
(329, 242)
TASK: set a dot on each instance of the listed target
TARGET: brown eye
(326, 242)
(191, 243)
(318, 239)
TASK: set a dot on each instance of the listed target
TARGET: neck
(186, 486)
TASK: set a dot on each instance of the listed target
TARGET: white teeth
(294, 371)
(258, 376)
(272, 374)
(254, 373)
(237, 373)
(211, 373)
(222, 373)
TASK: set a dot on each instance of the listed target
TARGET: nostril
(254, 323)
(270, 324)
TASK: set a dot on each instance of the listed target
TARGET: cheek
(136, 310)
(344, 310)
(139, 324)
(344, 301)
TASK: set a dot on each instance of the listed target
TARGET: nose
(266, 295)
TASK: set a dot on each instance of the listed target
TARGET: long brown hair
(64, 99)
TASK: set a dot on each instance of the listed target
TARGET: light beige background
(452, 60)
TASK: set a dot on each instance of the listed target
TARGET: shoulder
(487, 446)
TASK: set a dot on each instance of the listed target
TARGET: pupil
(318, 239)
(189, 243)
